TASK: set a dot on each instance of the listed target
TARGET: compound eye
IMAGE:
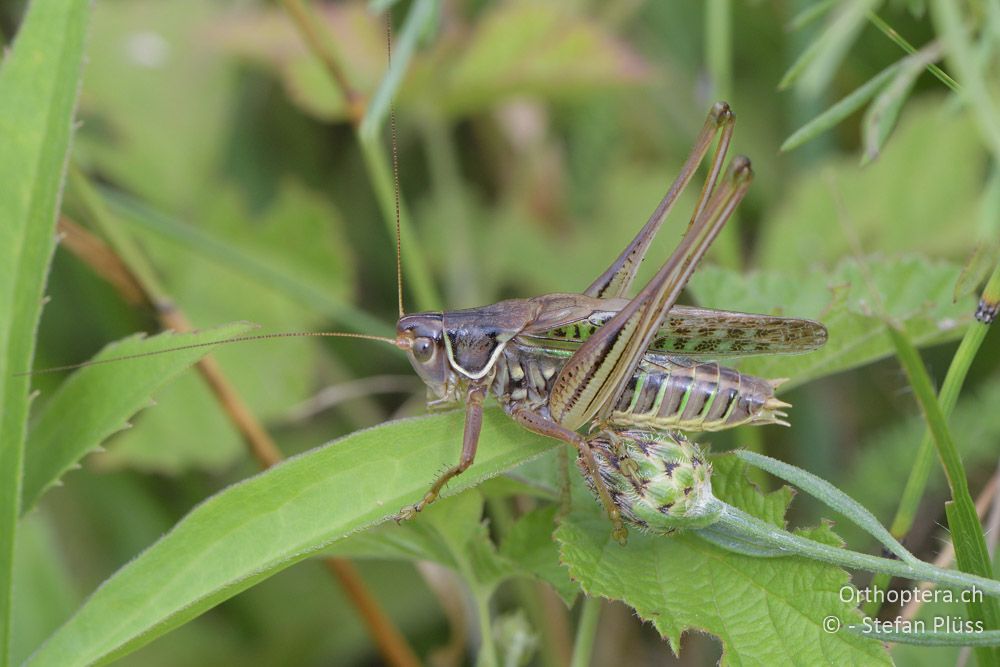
(423, 349)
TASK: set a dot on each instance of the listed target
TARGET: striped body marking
(673, 392)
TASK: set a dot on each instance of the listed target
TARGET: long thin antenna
(226, 341)
(395, 166)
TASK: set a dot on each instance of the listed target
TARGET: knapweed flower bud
(659, 480)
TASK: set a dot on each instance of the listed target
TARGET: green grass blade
(810, 14)
(39, 82)
(815, 67)
(967, 533)
(254, 529)
(97, 400)
(951, 387)
(881, 116)
(901, 42)
(841, 109)
(923, 460)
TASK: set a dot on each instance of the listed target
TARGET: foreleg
(470, 442)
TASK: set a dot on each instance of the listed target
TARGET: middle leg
(538, 424)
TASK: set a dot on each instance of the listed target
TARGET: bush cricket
(596, 369)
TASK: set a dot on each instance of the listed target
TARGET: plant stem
(586, 632)
(900, 41)
(971, 553)
(767, 540)
(529, 594)
(948, 396)
(367, 128)
(415, 268)
(830, 496)
(718, 47)
(719, 62)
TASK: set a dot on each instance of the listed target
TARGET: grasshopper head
(422, 336)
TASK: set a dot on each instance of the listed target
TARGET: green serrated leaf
(251, 530)
(736, 489)
(39, 83)
(763, 610)
(913, 290)
(96, 402)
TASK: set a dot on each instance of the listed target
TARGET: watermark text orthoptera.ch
(904, 596)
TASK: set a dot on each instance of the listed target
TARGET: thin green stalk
(810, 13)
(487, 647)
(586, 632)
(951, 27)
(950, 389)
(415, 266)
(719, 62)
(718, 58)
(368, 130)
(830, 496)
(718, 46)
(924, 460)
(414, 263)
(416, 22)
(529, 598)
(901, 42)
(744, 533)
(971, 553)
(984, 638)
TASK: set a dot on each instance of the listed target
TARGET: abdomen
(682, 394)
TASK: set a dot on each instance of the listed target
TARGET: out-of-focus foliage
(533, 140)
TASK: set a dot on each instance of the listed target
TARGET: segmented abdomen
(690, 396)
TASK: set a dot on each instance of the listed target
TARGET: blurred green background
(533, 140)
